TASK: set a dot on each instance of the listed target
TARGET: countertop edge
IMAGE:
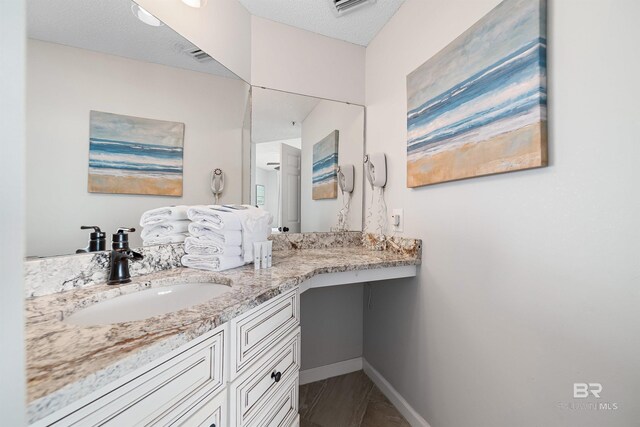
(44, 406)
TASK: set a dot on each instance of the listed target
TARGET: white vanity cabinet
(244, 373)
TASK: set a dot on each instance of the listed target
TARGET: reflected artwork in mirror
(175, 114)
(297, 144)
(325, 167)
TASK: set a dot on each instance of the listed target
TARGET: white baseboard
(329, 371)
(392, 394)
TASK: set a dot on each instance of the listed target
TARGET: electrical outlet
(397, 220)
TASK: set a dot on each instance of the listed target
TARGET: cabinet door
(255, 332)
(211, 413)
(255, 388)
(282, 409)
(160, 394)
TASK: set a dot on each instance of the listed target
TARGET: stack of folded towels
(222, 237)
(165, 225)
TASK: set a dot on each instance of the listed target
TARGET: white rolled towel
(216, 216)
(165, 240)
(165, 228)
(220, 237)
(197, 246)
(212, 262)
(168, 213)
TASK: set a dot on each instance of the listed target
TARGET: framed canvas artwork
(133, 155)
(479, 106)
(325, 168)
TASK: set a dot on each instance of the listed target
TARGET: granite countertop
(66, 362)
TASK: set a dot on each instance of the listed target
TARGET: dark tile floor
(350, 400)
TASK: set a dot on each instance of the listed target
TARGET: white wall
(299, 61)
(268, 53)
(247, 153)
(12, 82)
(64, 84)
(327, 116)
(222, 29)
(530, 280)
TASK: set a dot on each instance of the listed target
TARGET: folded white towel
(220, 237)
(256, 227)
(216, 216)
(169, 213)
(164, 240)
(212, 262)
(165, 228)
(197, 246)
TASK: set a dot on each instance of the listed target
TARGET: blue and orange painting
(479, 106)
(132, 155)
(325, 168)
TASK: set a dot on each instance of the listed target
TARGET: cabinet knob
(213, 425)
(276, 376)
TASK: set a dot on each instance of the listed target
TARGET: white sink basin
(147, 303)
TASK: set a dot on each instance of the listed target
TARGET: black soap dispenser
(120, 256)
(97, 240)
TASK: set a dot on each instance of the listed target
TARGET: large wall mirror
(123, 115)
(306, 161)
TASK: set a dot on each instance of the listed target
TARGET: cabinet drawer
(255, 388)
(282, 410)
(211, 413)
(161, 394)
(258, 330)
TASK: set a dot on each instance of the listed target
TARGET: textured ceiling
(109, 26)
(359, 26)
(272, 114)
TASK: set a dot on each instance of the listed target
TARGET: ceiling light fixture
(195, 3)
(145, 16)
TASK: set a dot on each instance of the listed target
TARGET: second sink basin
(147, 303)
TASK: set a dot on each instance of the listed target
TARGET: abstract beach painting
(325, 168)
(132, 155)
(479, 106)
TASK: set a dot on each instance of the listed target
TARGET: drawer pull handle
(276, 376)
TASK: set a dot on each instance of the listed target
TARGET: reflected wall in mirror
(285, 127)
(105, 56)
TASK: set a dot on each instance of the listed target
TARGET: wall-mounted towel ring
(217, 183)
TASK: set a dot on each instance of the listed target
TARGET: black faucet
(97, 240)
(120, 256)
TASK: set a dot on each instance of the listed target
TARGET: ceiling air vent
(198, 54)
(344, 6)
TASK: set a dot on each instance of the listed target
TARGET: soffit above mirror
(111, 27)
